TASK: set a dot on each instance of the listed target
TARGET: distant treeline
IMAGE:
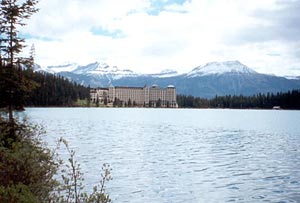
(286, 100)
(55, 90)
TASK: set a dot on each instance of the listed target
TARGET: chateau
(135, 96)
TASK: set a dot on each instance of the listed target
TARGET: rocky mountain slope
(209, 80)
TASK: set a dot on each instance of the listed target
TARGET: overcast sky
(150, 35)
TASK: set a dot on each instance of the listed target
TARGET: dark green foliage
(26, 166)
(105, 101)
(55, 91)
(14, 85)
(158, 103)
(17, 193)
(129, 104)
(97, 102)
(287, 100)
(38, 89)
(192, 102)
(117, 102)
(27, 170)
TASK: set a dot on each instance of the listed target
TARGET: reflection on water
(176, 155)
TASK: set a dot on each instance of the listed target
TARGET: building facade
(135, 96)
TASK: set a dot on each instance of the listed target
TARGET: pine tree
(14, 85)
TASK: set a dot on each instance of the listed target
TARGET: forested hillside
(287, 100)
(53, 90)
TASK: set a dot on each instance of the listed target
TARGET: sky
(148, 36)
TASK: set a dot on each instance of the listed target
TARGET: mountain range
(209, 80)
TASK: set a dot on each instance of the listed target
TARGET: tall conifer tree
(13, 83)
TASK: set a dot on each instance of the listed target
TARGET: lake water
(183, 155)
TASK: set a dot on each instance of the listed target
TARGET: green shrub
(28, 170)
(27, 167)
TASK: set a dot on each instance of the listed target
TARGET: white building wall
(141, 96)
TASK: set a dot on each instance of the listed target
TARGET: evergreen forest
(48, 90)
(284, 100)
(55, 90)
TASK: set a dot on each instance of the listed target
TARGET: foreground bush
(28, 170)
(26, 166)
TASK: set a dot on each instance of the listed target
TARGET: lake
(183, 155)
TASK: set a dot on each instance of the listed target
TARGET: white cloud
(179, 37)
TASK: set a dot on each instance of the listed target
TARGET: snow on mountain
(289, 77)
(217, 68)
(221, 78)
(61, 68)
(113, 72)
(165, 74)
(102, 69)
(97, 69)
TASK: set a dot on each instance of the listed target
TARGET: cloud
(150, 35)
(280, 24)
(56, 17)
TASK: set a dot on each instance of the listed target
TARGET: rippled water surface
(183, 155)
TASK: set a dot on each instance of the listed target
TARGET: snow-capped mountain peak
(102, 69)
(113, 72)
(92, 67)
(165, 73)
(292, 77)
(68, 67)
(217, 68)
(96, 68)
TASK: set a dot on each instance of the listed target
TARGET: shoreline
(162, 108)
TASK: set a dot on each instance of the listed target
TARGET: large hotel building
(135, 96)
